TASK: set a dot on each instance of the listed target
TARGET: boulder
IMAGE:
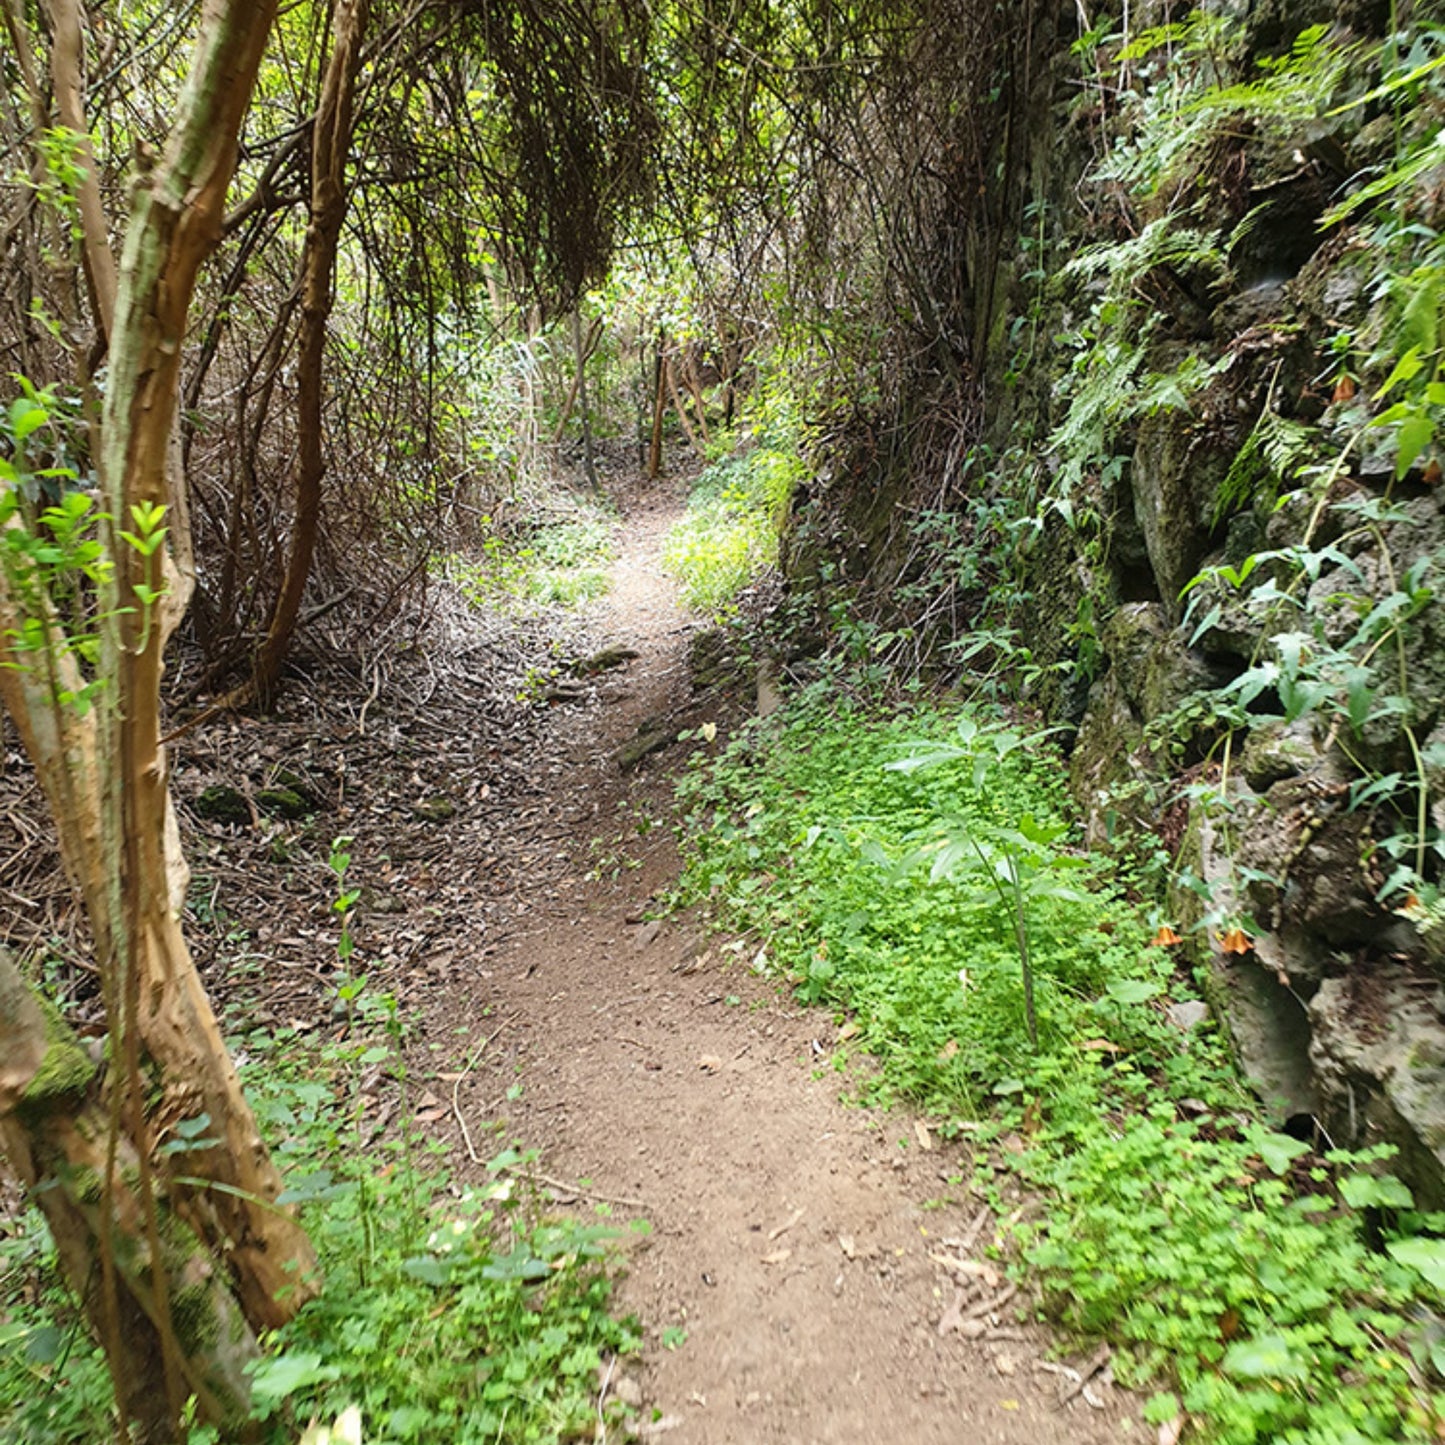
(1379, 1061)
(1303, 854)
(1174, 477)
(1154, 667)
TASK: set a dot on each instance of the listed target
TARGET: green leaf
(26, 417)
(1265, 1357)
(1278, 1151)
(1132, 990)
(277, 1379)
(311, 1188)
(1383, 1191)
(1161, 1408)
(429, 1270)
(1416, 433)
(1425, 1256)
(1407, 368)
(44, 1344)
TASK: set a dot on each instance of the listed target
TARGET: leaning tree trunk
(136, 1235)
(54, 1132)
(330, 144)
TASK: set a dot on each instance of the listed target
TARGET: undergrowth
(1269, 1292)
(729, 534)
(559, 559)
(454, 1313)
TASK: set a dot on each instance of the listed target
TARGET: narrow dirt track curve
(787, 1288)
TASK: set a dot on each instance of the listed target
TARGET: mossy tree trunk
(54, 1131)
(149, 1228)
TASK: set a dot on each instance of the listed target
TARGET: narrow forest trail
(790, 1240)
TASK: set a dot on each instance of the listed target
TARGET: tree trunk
(594, 334)
(677, 406)
(330, 145)
(54, 1131)
(65, 71)
(580, 354)
(659, 407)
(139, 1245)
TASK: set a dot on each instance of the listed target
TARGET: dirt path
(788, 1287)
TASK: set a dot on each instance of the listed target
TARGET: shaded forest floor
(508, 868)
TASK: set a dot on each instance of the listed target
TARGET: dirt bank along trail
(792, 1288)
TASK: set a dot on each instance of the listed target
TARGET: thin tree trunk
(175, 224)
(66, 51)
(694, 387)
(330, 145)
(594, 333)
(659, 407)
(678, 407)
(580, 354)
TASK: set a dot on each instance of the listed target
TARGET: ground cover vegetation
(920, 872)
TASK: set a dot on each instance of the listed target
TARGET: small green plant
(1016, 865)
(729, 534)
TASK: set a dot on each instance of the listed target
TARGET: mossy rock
(712, 661)
(605, 661)
(221, 803)
(284, 803)
(651, 738)
(437, 809)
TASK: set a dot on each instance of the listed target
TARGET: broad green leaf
(429, 1270)
(1416, 433)
(1425, 1256)
(1132, 990)
(276, 1379)
(1278, 1151)
(1265, 1357)
(1407, 368)
(1384, 1191)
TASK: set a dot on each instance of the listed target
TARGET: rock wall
(1303, 702)
(1227, 583)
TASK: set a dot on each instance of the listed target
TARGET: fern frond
(1272, 454)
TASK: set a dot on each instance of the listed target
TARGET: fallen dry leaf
(782, 1229)
(778, 1256)
(849, 1030)
(709, 1063)
(920, 1132)
(845, 1243)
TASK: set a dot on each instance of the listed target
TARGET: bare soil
(791, 1289)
